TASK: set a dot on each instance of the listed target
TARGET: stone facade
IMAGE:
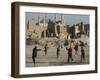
(46, 28)
(57, 28)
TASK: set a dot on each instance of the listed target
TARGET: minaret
(62, 28)
(55, 26)
(82, 27)
(62, 24)
(39, 20)
(62, 19)
(44, 25)
(55, 17)
(44, 21)
(28, 25)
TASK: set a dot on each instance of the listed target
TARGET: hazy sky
(69, 19)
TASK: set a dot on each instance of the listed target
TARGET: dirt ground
(51, 58)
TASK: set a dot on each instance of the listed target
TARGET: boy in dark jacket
(34, 53)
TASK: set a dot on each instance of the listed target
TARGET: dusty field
(51, 58)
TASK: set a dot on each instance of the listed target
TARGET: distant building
(57, 28)
(37, 28)
(45, 28)
(61, 31)
(87, 29)
(79, 29)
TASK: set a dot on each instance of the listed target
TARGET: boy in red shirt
(69, 54)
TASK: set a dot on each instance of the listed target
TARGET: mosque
(44, 28)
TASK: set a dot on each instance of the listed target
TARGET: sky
(69, 19)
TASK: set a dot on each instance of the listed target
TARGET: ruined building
(79, 29)
(44, 28)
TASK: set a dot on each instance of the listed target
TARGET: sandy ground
(51, 58)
